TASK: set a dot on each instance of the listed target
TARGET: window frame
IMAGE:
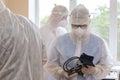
(113, 29)
(33, 11)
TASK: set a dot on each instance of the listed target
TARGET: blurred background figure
(56, 26)
(20, 47)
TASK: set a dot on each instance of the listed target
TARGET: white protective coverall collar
(20, 47)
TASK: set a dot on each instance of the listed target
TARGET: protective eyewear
(77, 26)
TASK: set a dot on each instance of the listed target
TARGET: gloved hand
(65, 74)
(90, 70)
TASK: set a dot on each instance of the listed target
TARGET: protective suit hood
(59, 10)
(79, 15)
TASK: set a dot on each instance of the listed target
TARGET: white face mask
(79, 33)
(63, 23)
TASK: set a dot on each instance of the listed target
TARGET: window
(118, 30)
(34, 11)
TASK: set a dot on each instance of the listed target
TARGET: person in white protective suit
(55, 27)
(79, 40)
(20, 47)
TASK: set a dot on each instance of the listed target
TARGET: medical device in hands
(75, 64)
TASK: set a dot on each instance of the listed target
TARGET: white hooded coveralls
(20, 47)
(64, 48)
